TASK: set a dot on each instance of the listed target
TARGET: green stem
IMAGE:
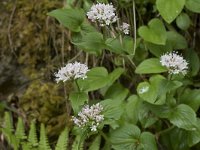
(77, 85)
(135, 26)
(104, 136)
(165, 131)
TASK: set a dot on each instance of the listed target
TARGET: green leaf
(95, 144)
(44, 143)
(116, 92)
(8, 122)
(191, 98)
(133, 106)
(129, 137)
(77, 99)
(92, 42)
(70, 18)
(115, 75)
(146, 117)
(194, 136)
(78, 143)
(87, 28)
(114, 45)
(183, 117)
(20, 131)
(112, 109)
(159, 50)
(193, 5)
(151, 65)
(32, 136)
(96, 78)
(126, 137)
(148, 141)
(155, 91)
(62, 140)
(176, 40)
(170, 9)
(183, 21)
(128, 44)
(175, 139)
(155, 32)
(194, 62)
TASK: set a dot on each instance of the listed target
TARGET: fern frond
(26, 146)
(20, 131)
(7, 131)
(32, 136)
(8, 123)
(44, 143)
(95, 144)
(62, 140)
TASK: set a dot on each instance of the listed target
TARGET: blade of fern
(8, 129)
(32, 136)
(95, 144)
(8, 123)
(26, 146)
(44, 143)
(62, 140)
(20, 131)
(10, 138)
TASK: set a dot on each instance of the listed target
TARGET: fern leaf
(62, 140)
(44, 143)
(20, 131)
(95, 144)
(32, 136)
(8, 122)
(7, 131)
(26, 146)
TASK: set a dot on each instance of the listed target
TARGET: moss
(45, 103)
(33, 42)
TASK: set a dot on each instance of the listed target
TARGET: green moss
(45, 103)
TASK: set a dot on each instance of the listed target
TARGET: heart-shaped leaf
(70, 18)
(155, 32)
(91, 42)
(193, 5)
(170, 9)
(183, 21)
(98, 77)
(155, 91)
(151, 65)
(77, 99)
(129, 137)
(183, 117)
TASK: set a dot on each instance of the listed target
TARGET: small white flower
(72, 71)
(124, 28)
(104, 14)
(89, 116)
(175, 63)
(143, 90)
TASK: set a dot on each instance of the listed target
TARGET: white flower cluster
(102, 13)
(124, 28)
(72, 71)
(89, 116)
(175, 63)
